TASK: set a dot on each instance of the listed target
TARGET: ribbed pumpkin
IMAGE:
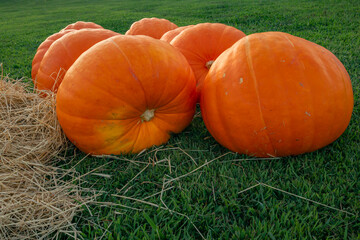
(126, 94)
(152, 27)
(274, 94)
(42, 49)
(63, 53)
(80, 25)
(44, 46)
(203, 43)
(170, 35)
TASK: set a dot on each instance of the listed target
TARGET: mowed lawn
(193, 188)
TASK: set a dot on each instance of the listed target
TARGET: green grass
(210, 200)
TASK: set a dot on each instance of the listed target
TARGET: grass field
(192, 188)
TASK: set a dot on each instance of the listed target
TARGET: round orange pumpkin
(202, 44)
(170, 35)
(63, 53)
(42, 49)
(274, 94)
(80, 25)
(126, 94)
(152, 27)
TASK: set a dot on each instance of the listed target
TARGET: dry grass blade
(37, 199)
(196, 169)
(306, 199)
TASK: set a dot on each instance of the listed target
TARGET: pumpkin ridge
(252, 72)
(99, 86)
(179, 36)
(287, 38)
(342, 78)
(131, 70)
(120, 99)
(162, 87)
(175, 97)
(311, 105)
(56, 80)
(340, 69)
(219, 43)
(66, 49)
(161, 118)
(56, 72)
(223, 124)
(137, 134)
(217, 103)
(131, 128)
(161, 129)
(119, 137)
(319, 63)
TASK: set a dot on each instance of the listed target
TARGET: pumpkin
(126, 94)
(202, 44)
(44, 46)
(42, 49)
(63, 53)
(80, 25)
(152, 27)
(170, 35)
(274, 94)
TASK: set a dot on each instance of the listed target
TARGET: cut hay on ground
(37, 199)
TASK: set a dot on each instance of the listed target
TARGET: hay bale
(28, 124)
(37, 199)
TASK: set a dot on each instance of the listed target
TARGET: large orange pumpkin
(152, 27)
(63, 53)
(203, 43)
(42, 49)
(80, 25)
(274, 94)
(44, 46)
(126, 94)
(170, 35)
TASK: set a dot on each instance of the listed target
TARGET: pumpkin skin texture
(110, 101)
(63, 53)
(42, 49)
(274, 94)
(152, 27)
(202, 44)
(80, 25)
(170, 35)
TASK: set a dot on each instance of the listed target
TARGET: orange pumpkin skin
(42, 49)
(274, 94)
(126, 94)
(170, 35)
(80, 25)
(63, 53)
(152, 27)
(44, 46)
(202, 44)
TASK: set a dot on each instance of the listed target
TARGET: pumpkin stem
(208, 64)
(147, 115)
